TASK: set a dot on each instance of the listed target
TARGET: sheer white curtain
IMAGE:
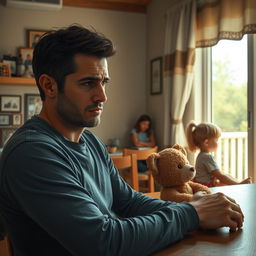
(179, 58)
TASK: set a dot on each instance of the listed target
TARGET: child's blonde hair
(197, 134)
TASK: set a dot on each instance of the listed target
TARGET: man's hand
(198, 195)
(218, 210)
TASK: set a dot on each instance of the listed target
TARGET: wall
(127, 90)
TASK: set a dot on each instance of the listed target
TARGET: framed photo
(27, 56)
(5, 69)
(156, 76)
(34, 36)
(16, 119)
(12, 61)
(4, 120)
(32, 105)
(10, 103)
(5, 134)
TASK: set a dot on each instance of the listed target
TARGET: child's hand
(216, 182)
(246, 181)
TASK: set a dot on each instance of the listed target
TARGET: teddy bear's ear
(151, 163)
(180, 148)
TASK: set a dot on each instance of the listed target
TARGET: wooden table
(222, 242)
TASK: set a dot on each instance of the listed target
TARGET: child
(143, 136)
(205, 137)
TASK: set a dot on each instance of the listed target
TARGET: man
(59, 191)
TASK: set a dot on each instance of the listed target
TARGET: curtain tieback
(176, 121)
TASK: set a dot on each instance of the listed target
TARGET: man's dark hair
(54, 53)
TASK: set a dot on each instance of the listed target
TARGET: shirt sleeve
(133, 131)
(211, 164)
(51, 196)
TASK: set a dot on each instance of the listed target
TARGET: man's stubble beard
(70, 114)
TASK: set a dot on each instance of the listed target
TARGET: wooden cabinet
(17, 81)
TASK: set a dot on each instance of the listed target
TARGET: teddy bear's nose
(192, 169)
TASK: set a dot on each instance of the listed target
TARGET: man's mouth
(96, 111)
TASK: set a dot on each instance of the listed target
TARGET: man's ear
(48, 85)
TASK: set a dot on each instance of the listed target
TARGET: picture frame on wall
(4, 120)
(156, 78)
(10, 103)
(32, 105)
(34, 36)
(5, 134)
(16, 119)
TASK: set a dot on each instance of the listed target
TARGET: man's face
(81, 102)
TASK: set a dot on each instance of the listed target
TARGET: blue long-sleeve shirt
(63, 198)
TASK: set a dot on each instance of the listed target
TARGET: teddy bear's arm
(199, 187)
(175, 196)
(183, 197)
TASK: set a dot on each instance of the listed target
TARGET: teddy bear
(172, 171)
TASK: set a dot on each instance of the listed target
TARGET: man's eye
(105, 82)
(94, 83)
(88, 84)
(179, 166)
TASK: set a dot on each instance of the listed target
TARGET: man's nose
(100, 94)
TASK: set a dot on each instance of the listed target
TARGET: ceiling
(117, 5)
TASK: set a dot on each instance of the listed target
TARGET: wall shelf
(17, 81)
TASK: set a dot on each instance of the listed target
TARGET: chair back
(141, 154)
(129, 161)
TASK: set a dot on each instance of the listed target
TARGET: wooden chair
(128, 161)
(143, 155)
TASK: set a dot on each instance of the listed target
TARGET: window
(229, 85)
(205, 98)
(229, 104)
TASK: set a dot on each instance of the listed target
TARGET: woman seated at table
(143, 136)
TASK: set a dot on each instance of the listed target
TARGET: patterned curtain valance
(224, 19)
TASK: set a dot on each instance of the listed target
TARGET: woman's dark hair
(54, 53)
(141, 119)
